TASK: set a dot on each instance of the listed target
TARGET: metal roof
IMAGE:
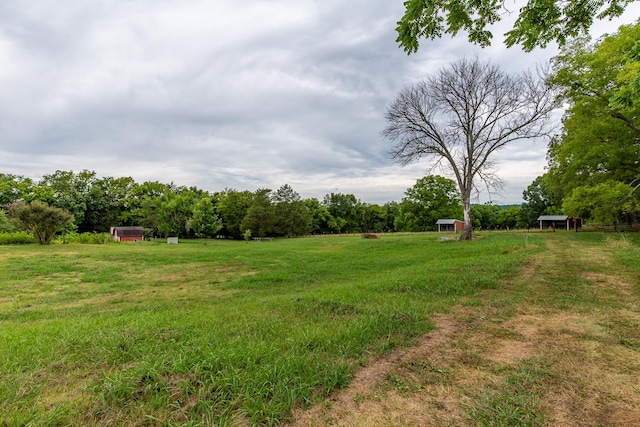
(552, 218)
(447, 221)
(129, 231)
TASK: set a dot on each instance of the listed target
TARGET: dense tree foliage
(510, 217)
(321, 219)
(604, 76)
(41, 220)
(5, 223)
(379, 219)
(14, 188)
(292, 218)
(95, 204)
(486, 216)
(599, 147)
(538, 22)
(260, 217)
(175, 210)
(464, 114)
(71, 192)
(537, 202)
(204, 222)
(111, 201)
(604, 203)
(431, 198)
(346, 212)
(232, 208)
(489, 216)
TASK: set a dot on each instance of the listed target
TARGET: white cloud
(222, 95)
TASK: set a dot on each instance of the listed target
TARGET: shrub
(17, 238)
(5, 224)
(86, 238)
(40, 219)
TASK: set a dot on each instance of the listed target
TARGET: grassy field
(236, 333)
(555, 344)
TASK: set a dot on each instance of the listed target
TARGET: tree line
(93, 204)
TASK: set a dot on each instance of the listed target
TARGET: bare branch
(464, 114)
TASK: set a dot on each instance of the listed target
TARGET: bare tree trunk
(468, 224)
(463, 115)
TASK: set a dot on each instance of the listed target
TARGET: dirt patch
(371, 398)
(580, 366)
(617, 415)
(508, 351)
(609, 282)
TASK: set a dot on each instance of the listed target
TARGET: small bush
(85, 238)
(40, 219)
(5, 224)
(17, 238)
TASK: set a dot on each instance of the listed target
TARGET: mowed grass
(557, 343)
(569, 332)
(228, 333)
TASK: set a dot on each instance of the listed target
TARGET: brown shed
(127, 234)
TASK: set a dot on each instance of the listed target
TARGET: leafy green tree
(150, 189)
(600, 141)
(346, 212)
(14, 188)
(537, 202)
(5, 224)
(146, 212)
(375, 219)
(431, 198)
(462, 116)
(603, 203)
(111, 201)
(145, 203)
(538, 22)
(292, 217)
(321, 218)
(232, 208)
(486, 216)
(205, 223)
(260, 217)
(603, 77)
(175, 211)
(71, 192)
(39, 219)
(510, 217)
(392, 211)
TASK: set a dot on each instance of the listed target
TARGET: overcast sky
(225, 94)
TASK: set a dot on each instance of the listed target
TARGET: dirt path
(532, 353)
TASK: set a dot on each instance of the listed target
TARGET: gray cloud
(221, 95)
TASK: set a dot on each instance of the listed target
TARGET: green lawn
(224, 333)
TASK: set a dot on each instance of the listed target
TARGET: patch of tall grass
(85, 238)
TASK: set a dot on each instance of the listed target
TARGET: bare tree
(462, 115)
